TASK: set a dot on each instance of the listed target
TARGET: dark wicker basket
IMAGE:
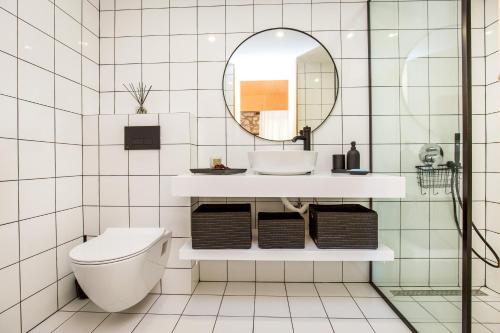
(343, 227)
(281, 231)
(222, 226)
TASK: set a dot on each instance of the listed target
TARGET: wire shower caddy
(433, 178)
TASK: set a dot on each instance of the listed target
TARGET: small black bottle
(353, 159)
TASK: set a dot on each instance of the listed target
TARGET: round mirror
(278, 81)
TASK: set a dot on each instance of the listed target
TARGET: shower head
(457, 148)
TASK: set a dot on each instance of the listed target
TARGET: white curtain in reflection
(274, 125)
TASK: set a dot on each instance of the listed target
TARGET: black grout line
(324, 307)
(18, 172)
(197, 90)
(486, 136)
(55, 144)
(215, 317)
(48, 35)
(287, 300)
(429, 133)
(50, 72)
(106, 317)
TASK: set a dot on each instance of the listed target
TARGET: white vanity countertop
(316, 185)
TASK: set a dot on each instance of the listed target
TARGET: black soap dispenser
(353, 159)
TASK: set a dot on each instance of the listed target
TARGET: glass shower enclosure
(422, 115)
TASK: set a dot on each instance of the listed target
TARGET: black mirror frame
(337, 80)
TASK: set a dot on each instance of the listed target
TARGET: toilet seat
(116, 244)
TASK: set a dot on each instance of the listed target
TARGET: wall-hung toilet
(120, 267)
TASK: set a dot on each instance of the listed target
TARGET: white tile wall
(185, 72)
(492, 151)
(43, 52)
(132, 189)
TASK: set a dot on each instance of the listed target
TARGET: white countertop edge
(325, 185)
(310, 253)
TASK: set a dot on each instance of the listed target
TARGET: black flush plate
(142, 137)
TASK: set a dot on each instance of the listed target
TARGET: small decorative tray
(209, 171)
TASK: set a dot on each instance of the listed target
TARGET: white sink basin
(283, 162)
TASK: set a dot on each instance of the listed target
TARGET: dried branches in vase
(139, 93)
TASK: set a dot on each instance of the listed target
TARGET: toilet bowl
(120, 267)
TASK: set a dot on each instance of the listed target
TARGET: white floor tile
(479, 328)
(457, 328)
(210, 288)
(310, 307)
(271, 306)
(375, 308)
(389, 325)
(82, 322)
(331, 289)
(309, 325)
(76, 304)
(351, 326)
(444, 312)
(237, 306)
(91, 307)
(489, 298)
(203, 305)
(301, 289)
(170, 304)
(192, 324)
(234, 324)
(270, 289)
(496, 305)
(157, 323)
(361, 290)
(119, 323)
(453, 327)
(272, 325)
(141, 307)
(430, 328)
(341, 307)
(489, 292)
(493, 327)
(456, 298)
(52, 322)
(414, 312)
(144, 305)
(240, 289)
(484, 313)
(303, 311)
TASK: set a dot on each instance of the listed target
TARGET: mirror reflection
(279, 81)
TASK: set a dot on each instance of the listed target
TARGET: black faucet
(305, 134)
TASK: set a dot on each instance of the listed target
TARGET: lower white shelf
(309, 253)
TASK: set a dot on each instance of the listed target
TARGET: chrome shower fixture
(431, 154)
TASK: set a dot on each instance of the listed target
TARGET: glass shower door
(416, 120)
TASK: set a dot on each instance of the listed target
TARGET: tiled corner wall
(492, 126)
(167, 44)
(416, 100)
(314, 96)
(49, 76)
